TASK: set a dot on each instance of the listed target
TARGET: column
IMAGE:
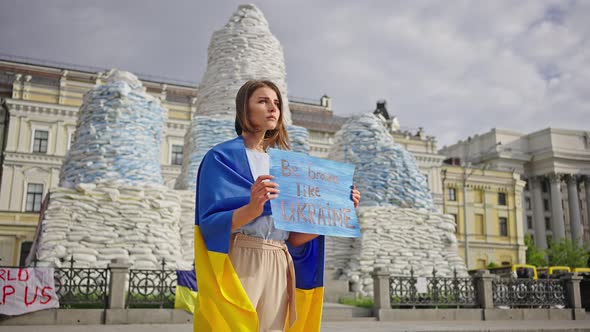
(574, 206)
(119, 281)
(538, 213)
(381, 292)
(557, 221)
(25, 128)
(59, 149)
(13, 135)
(484, 289)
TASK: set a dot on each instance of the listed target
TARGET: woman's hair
(277, 137)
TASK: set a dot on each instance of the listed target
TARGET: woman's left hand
(356, 196)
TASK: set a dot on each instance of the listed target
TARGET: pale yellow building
(38, 111)
(494, 229)
(39, 105)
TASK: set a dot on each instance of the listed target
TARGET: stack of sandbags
(187, 228)
(118, 135)
(98, 223)
(399, 240)
(205, 132)
(243, 49)
(385, 172)
(400, 231)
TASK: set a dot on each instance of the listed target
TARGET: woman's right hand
(262, 191)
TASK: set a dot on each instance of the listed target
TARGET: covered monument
(401, 231)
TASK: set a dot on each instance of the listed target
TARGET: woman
(245, 273)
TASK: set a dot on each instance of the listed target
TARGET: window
(505, 263)
(527, 203)
(546, 204)
(526, 186)
(549, 241)
(40, 141)
(34, 196)
(451, 194)
(502, 199)
(544, 186)
(176, 155)
(478, 196)
(503, 226)
(479, 224)
(529, 222)
(25, 248)
(71, 142)
(547, 223)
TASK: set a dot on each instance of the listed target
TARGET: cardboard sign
(315, 195)
(24, 290)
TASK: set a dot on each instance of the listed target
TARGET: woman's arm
(261, 191)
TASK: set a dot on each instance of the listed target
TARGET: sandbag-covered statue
(111, 202)
(400, 229)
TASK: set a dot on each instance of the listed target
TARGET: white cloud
(455, 68)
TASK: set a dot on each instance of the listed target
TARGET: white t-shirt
(263, 226)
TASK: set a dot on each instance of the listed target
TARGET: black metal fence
(435, 291)
(529, 293)
(463, 292)
(79, 287)
(82, 287)
(151, 288)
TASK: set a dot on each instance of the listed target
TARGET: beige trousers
(266, 271)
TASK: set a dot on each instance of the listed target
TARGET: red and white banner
(24, 290)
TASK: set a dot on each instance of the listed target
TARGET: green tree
(534, 255)
(567, 253)
(493, 265)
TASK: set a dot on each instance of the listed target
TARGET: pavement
(348, 326)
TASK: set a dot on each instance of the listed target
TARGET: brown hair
(277, 137)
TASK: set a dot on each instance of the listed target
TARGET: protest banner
(315, 195)
(24, 290)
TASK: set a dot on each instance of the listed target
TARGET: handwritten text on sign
(25, 290)
(314, 195)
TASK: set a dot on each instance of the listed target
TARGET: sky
(455, 68)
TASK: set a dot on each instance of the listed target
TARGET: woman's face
(263, 109)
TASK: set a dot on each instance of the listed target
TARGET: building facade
(555, 163)
(39, 106)
(487, 208)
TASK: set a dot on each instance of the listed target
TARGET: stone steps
(340, 312)
(334, 290)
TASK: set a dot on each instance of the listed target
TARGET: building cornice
(25, 107)
(171, 169)
(178, 124)
(36, 159)
(433, 159)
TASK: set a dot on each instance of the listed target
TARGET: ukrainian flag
(309, 275)
(223, 185)
(186, 290)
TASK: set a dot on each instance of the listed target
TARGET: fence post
(119, 279)
(573, 295)
(484, 290)
(381, 292)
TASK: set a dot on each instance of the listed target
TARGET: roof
(315, 117)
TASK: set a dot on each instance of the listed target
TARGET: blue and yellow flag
(223, 185)
(186, 290)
